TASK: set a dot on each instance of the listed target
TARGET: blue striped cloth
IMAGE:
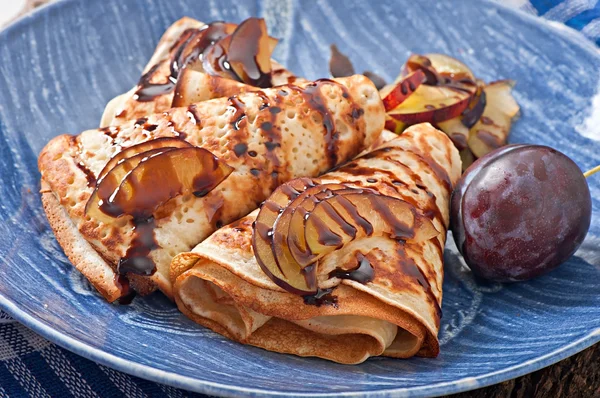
(32, 366)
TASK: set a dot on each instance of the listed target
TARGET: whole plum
(519, 212)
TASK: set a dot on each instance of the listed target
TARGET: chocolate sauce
(399, 229)
(263, 231)
(176, 133)
(192, 113)
(189, 48)
(148, 91)
(321, 297)
(240, 149)
(244, 50)
(347, 228)
(291, 192)
(363, 273)
(410, 268)
(141, 121)
(356, 217)
(431, 210)
(155, 180)
(111, 131)
(488, 138)
(314, 98)
(473, 113)
(136, 259)
(239, 113)
(326, 236)
(89, 175)
(266, 102)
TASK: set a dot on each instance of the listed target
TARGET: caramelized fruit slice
(143, 147)
(493, 128)
(159, 178)
(474, 110)
(450, 67)
(262, 233)
(300, 209)
(395, 94)
(249, 52)
(393, 125)
(344, 217)
(109, 182)
(420, 62)
(431, 104)
(282, 240)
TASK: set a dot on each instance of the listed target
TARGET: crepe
(268, 137)
(221, 286)
(128, 106)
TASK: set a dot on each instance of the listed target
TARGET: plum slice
(249, 52)
(349, 215)
(133, 150)
(156, 179)
(395, 94)
(294, 217)
(450, 67)
(262, 234)
(296, 228)
(110, 181)
(432, 104)
(493, 127)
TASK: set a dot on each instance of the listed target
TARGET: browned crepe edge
(352, 302)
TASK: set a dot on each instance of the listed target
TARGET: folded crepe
(267, 137)
(387, 291)
(163, 77)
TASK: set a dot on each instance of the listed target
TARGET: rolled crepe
(268, 137)
(127, 106)
(221, 286)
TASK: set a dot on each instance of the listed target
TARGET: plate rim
(150, 373)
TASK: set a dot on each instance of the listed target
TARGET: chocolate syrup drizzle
(203, 45)
(188, 49)
(362, 273)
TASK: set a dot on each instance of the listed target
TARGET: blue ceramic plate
(61, 65)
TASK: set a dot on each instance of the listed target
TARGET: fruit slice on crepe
(292, 234)
(163, 169)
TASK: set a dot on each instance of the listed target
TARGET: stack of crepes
(383, 292)
(257, 138)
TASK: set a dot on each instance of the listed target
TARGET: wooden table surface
(577, 376)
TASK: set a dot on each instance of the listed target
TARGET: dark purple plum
(519, 212)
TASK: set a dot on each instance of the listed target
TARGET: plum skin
(519, 212)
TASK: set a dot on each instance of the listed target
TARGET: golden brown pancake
(220, 284)
(268, 137)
